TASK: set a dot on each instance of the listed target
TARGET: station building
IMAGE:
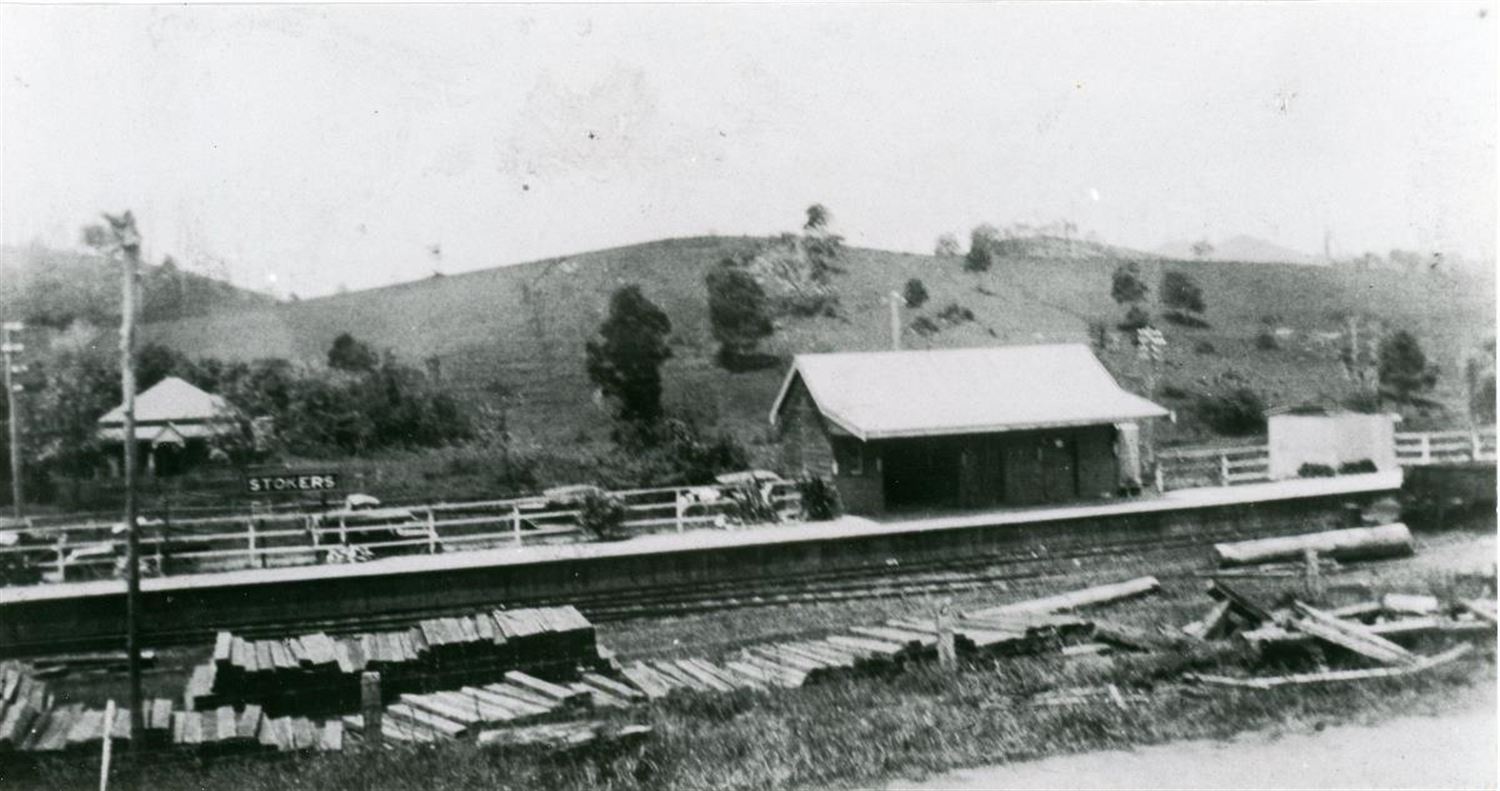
(176, 427)
(960, 428)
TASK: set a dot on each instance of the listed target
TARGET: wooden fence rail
(49, 551)
(1445, 447)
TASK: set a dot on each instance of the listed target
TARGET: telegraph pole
(11, 348)
(130, 246)
(896, 300)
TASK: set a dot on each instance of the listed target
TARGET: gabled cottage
(960, 428)
(176, 425)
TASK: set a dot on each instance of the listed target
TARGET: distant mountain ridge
(53, 288)
(1242, 247)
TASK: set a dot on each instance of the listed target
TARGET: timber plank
(613, 687)
(645, 681)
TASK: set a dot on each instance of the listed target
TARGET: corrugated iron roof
(883, 395)
(173, 399)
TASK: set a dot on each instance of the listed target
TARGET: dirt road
(1453, 750)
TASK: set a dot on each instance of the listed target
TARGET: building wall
(805, 446)
(1329, 439)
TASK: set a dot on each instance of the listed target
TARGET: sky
(313, 148)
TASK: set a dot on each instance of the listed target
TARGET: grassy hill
(525, 325)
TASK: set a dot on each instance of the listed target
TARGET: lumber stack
(24, 704)
(318, 674)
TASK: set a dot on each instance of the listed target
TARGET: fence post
(369, 704)
(947, 651)
(250, 541)
(677, 497)
(62, 556)
(1474, 448)
(431, 532)
(515, 521)
(1223, 469)
(1426, 448)
(108, 739)
(1158, 478)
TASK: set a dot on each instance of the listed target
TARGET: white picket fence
(94, 549)
(1416, 448)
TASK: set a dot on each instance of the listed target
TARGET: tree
(625, 361)
(946, 247)
(817, 218)
(348, 354)
(1180, 292)
(915, 294)
(981, 253)
(822, 247)
(155, 362)
(1126, 285)
(739, 312)
(1202, 249)
(1404, 371)
(1183, 299)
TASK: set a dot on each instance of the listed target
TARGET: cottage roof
(173, 400)
(883, 395)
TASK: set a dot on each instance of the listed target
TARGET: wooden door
(1059, 462)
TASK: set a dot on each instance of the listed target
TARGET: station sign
(292, 482)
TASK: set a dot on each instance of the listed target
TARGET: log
(1358, 543)
(1422, 663)
(1100, 594)
(1272, 637)
(1135, 638)
(1212, 624)
(1409, 604)
(1247, 607)
(1349, 635)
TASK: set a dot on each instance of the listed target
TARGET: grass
(526, 324)
(857, 732)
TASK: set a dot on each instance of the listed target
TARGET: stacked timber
(24, 704)
(318, 674)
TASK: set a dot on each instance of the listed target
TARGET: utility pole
(896, 300)
(10, 347)
(130, 246)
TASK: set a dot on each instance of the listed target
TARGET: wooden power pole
(11, 349)
(130, 247)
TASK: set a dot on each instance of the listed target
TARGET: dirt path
(1456, 749)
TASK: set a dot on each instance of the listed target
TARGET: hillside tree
(981, 248)
(1404, 370)
(1202, 249)
(1129, 290)
(947, 246)
(738, 311)
(625, 360)
(349, 354)
(822, 246)
(1182, 298)
(915, 294)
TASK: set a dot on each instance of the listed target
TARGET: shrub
(1135, 319)
(1175, 392)
(915, 293)
(1239, 412)
(1365, 401)
(1205, 348)
(1265, 340)
(924, 326)
(1311, 470)
(1357, 467)
(602, 515)
(820, 500)
(954, 313)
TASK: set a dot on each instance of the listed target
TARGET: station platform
(78, 614)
